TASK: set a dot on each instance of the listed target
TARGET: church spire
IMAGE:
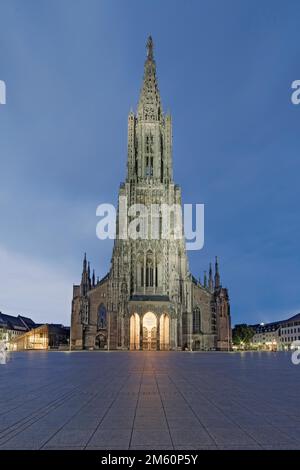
(149, 107)
(217, 274)
(205, 279)
(84, 263)
(149, 131)
(210, 279)
(150, 48)
(85, 277)
(89, 276)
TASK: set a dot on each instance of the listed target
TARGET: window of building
(149, 274)
(142, 276)
(149, 151)
(196, 321)
(102, 320)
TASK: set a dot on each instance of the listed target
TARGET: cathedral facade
(149, 300)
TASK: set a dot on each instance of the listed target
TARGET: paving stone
(149, 400)
(269, 435)
(231, 436)
(107, 437)
(150, 437)
(70, 437)
(191, 436)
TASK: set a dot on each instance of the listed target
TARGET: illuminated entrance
(149, 332)
(134, 332)
(164, 329)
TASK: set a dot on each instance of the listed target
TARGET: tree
(242, 334)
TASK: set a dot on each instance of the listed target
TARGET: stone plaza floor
(149, 400)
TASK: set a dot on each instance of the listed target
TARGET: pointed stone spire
(85, 278)
(217, 274)
(210, 279)
(205, 279)
(84, 263)
(89, 276)
(150, 48)
(93, 279)
(149, 107)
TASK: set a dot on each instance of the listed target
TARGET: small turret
(217, 275)
(85, 277)
(210, 279)
(205, 279)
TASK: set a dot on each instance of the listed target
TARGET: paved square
(149, 400)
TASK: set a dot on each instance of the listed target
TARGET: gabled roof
(265, 327)
(27, 321)
(293, 318)
(103, 279)
(18, 323)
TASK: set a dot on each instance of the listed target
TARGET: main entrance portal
(149, 332)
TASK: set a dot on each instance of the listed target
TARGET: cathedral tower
(149, 300)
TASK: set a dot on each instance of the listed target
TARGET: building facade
(43, 337)
(11, 327)
(277, 336)
(149, 300)
(266, 336)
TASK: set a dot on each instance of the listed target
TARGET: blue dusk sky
(73, 69)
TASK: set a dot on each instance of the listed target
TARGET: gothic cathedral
(149, 300)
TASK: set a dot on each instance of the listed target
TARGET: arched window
(196, 321)
(148, 152)
(160, 226)
(142, 276)
(140, 271)
(149, 274)
(172, 223)
(101, 320)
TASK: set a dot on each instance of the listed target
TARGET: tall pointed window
(101, 318)
(149, 270)
(149, 155)
(149, 274)
(196, 321)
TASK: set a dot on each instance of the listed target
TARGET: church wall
(224, 333)
(202, 298)
(97, 296)
(76, 326)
